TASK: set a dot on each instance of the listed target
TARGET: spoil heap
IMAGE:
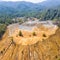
(38, 44)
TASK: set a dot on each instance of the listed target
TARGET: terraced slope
(48, 49)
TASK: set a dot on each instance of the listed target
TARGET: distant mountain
(21, 5)
(28, 6)
(28, 9)
(17, 9)
(50, 3)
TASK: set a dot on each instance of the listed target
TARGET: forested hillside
(46, 10)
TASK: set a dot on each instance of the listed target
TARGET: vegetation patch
(20, 33)
(2, 29)
(44, 35)
(34, 34)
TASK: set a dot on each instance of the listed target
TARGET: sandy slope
(31, 47)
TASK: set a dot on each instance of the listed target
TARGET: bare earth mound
(31, 47)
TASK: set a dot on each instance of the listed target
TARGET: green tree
(20, 33)
(34, 34)
(44, 35)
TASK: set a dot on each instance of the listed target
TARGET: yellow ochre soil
(28, 37)
(29, 47)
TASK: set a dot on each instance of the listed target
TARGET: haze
(34, 1)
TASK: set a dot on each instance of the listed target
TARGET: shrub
(34, 34)
(20, 33)
(56, 56)
(11, 39)
(1, 52)
(44, 35)
(2, 29)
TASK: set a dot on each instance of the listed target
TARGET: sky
(34, 1)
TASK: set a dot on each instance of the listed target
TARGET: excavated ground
(31, 47)
(29, 39)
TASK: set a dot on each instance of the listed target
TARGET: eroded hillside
(45, 49)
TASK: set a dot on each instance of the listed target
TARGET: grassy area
(2, 29)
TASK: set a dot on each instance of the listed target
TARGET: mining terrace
(38, 40)
(40, 28)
